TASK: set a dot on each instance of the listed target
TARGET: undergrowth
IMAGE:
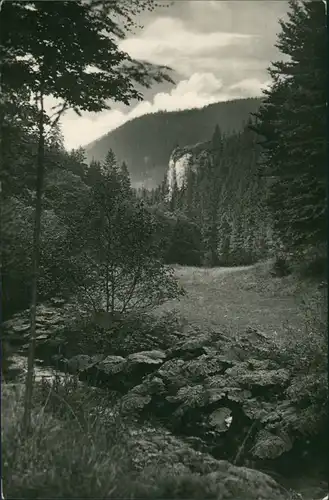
(134, 333)
(78, 446)
(64, 456)
(79, 453)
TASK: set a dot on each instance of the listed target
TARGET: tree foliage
(292, 123)
(219, 209)
(114, 261)
(67, 50)
(70, 50)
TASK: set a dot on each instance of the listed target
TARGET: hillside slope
(147, 142)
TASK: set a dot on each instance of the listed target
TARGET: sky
(218, 50)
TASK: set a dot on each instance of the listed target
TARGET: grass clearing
(233, 299)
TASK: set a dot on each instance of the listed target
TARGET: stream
(17, 368)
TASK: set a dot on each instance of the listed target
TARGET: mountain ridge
(145, 143)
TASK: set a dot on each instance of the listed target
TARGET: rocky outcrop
(224, 392)
(51, 322)
(193, 473)
(115, 372)
(181, 160)
(230, 395)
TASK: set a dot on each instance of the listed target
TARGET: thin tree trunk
(241, 448)
(35, 273)
(112, 289)
(107, 278)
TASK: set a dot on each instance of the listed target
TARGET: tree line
(261, 192)
(146, 142)
(219, 211)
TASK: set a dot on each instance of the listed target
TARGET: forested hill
(147, 142)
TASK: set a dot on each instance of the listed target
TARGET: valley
(146, 143)
(164, 289)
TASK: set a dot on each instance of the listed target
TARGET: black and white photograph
(164, 226)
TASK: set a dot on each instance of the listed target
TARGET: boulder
(103, 371)
(49, 322)
(195, 474)
(133, 403)
(119, 373)
(191, 348)
(237, 483)
(141, 364)
(270, 445)
(112, 365)
(172, 373)
(212, 396)
(150, 385)
(81, 363)
(248, 375)
(221, 419)
(154, 357)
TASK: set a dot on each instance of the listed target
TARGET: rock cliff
(181, 160)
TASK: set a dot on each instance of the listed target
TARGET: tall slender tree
(124, 174)
(67, 50)
(292, 123)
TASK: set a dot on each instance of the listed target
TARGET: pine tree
(221, 186)
(224, 240)
(113, 183)
(292, 123)
(56, 138)
(212, 186)
(217, 140)
(125, 178)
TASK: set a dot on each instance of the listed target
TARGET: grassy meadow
(234, 299)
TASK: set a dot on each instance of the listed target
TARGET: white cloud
(197, 91)
(215, 66)
(250, 87)
(177, 42)
(82, 130)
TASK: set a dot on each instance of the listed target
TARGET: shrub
(132, 333)
(116, 264)
(281, 267)
(305, 355)
(65, 397)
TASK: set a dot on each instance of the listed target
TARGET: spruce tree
(212, 196)
(125, 178)
(292, 123)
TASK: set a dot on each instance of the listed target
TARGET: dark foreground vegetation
(159, 394)
(146, 403)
